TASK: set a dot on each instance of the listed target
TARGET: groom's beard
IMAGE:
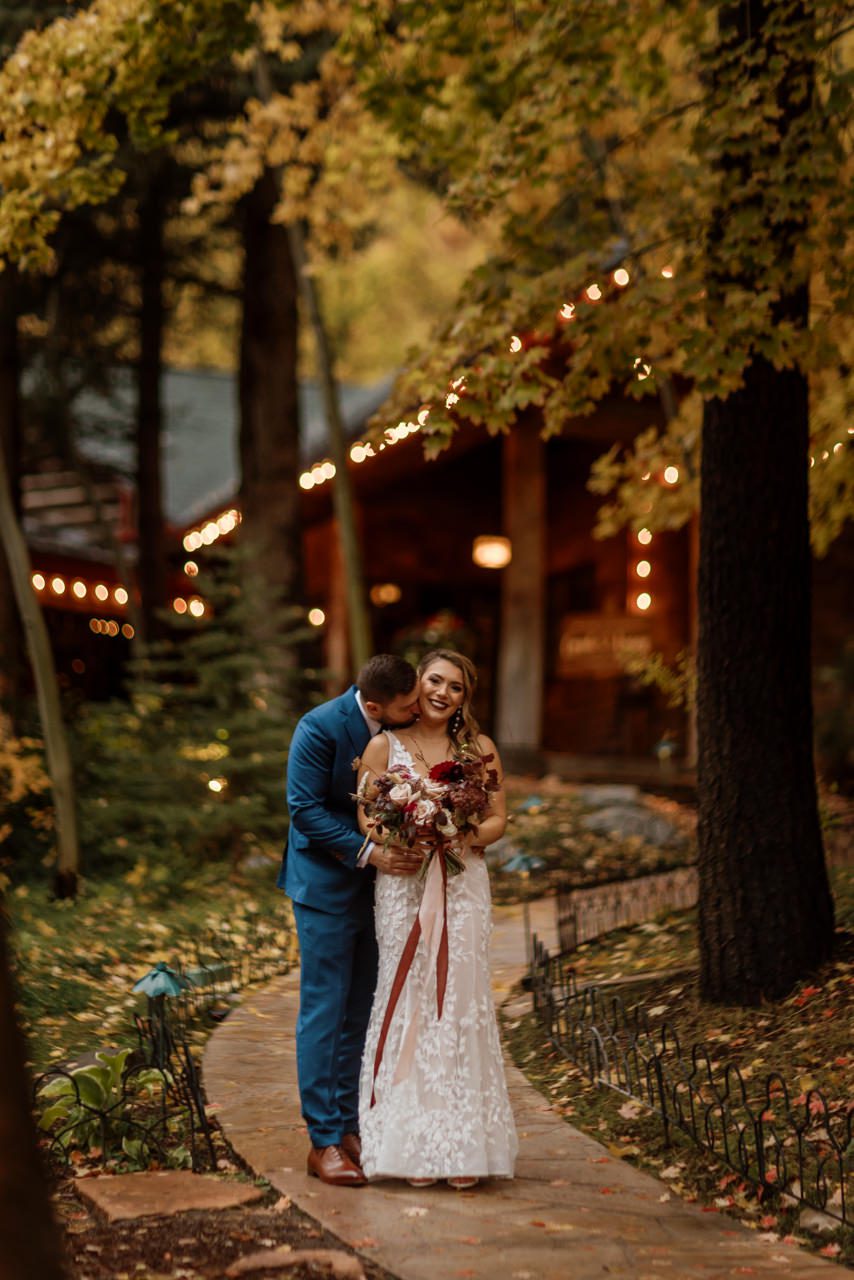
(407, 724)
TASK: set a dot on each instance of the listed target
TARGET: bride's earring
(456, 722)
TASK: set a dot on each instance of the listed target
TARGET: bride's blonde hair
(464, 733)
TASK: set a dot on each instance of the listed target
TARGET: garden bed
(806, 1037)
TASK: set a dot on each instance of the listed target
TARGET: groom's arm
(310, 763)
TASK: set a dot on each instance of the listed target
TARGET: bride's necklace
(418, 753)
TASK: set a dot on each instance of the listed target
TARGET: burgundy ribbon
(424, 923)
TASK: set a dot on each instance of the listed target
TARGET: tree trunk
(47, 689)
(269, 396)
(151, 540)
(766, 913)
(11, 639)
(342, 493)
(29, 1241)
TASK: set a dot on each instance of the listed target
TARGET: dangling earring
(456, 722)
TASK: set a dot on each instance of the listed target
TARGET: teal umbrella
(162, 981)
(523, 862)
(158, 983)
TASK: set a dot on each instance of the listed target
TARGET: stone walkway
(572, 1213)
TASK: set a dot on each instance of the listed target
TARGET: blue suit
(333, 906)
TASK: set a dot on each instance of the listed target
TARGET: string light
(191, 569)
(101, 592)
(215, 784)
(197, 607)
(120, 595)
(567, 311)
(515, 343)
(642, 369)
(644, 537)
(179, 604)
(643, 568)
(621, 277)
(671, 475)
(316, 617)
(667, 272)
(593, 292)
(128, 631)
(213, 529)
(57, 585)
(643, 601)
(79, 589)
(38, 581)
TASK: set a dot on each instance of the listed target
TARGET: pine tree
(192, 766)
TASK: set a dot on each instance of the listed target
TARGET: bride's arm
(494, 824)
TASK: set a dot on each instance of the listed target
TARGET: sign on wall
(594, 644)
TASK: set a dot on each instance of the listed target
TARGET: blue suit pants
(338, 977)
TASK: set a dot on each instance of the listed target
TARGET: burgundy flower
(447, 772)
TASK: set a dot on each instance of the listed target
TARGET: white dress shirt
(374, 726)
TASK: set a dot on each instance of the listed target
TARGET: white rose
(425, 812)
(401, 794)
(445, 824)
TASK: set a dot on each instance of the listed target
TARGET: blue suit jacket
(319, 864)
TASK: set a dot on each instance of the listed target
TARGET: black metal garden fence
(779, 1140)
(142, 1102)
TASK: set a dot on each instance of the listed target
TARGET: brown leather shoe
(351, 1145)
(332, 1165)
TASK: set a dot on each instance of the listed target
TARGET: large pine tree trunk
(29, 1243)
(11, 640)
(151, 566)
(766, 913)
(269, 396)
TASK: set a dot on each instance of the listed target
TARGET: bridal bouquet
(404, 807)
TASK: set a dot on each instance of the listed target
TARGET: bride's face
(441, 692)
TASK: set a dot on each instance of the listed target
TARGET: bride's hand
(396, 859)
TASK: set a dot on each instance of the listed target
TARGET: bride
(436, 1105)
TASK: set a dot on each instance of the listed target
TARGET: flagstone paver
(573, 1212)
(138, 1195)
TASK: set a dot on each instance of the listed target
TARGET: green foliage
(597, 140)
(26, 827)
(93, 1106)
(677, 683)
(443, 630)
(192, 765)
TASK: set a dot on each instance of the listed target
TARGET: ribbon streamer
(432, 922)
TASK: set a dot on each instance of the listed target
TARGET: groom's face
(402, 709)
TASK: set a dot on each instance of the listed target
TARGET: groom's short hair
(384, 677)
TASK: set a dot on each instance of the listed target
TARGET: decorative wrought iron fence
(798, 1145)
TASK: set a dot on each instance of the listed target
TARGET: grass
(806, 1037)
(77, 961)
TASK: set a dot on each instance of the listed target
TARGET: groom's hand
(396, 860)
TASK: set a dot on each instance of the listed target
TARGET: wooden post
(521, 653)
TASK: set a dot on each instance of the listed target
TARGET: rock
(138, 1195)
(334, 1262)
(815, 1220)
(633, 820)
(600, 797)
(501, 851)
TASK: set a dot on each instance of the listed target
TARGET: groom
(332, 892)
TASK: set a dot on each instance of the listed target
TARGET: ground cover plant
(806, 1037)
(77, 961)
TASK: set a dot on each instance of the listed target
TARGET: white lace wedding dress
(450, 1116)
